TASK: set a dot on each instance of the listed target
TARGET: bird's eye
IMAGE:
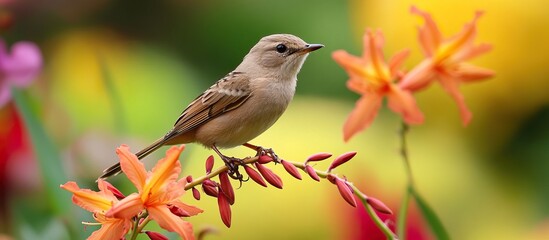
(281, 48)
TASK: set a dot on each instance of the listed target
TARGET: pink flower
(445, 60)
(373, 78)
(19, 68)
(159, 190)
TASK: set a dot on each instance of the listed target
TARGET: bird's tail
(115, 169)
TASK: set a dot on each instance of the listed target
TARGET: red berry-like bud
(224, 209)
(189, 179)
(269, 175)
(196, 194)
(114, 190)
(311, 171)
(254, 175)
(345, 192)
(178, 211)
(209, 164)
(156, 235)
(290, 168)
(210, 188)
(318, 157)
(378, 205)
(226, 186)
(341, 159)
(263, 159)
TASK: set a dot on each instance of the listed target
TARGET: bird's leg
(263, 151)
(232, 163)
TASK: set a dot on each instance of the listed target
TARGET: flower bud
(269, 175)
(189, 179)
(119, 195)
(341, 159)
(178, 211)
(156, 235)
(224, 209)
(209, 164)
(254, 175)
(290, 168)
(226, 186)
(378, 205)
(196, 194)
(210, 188)
(263, 159)
(345, 192)
(311, 171)
(318, 157)
(331, 178)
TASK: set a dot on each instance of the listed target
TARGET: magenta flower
(18, 68)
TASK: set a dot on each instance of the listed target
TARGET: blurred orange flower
(159, 192)
(373, 78)
(99, 203)
(445, 60)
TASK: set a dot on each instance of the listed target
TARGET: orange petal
(472, 52)
(397, 60)
(164, 172)
(363, 114)
(421, 76)
(403, 102)
(353, 65)
(167, 220)
(114, 229)
(450, 84)
(460, 45)
(132, 167)
(373, 53)
(469, 73)
(429, 35)
(127, 208)
(88, 199)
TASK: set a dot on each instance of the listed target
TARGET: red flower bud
(189, 179)
(290, 168)
(331, 178)
(269, 175)
(341, 159)
(311, 171)
(224, 209)
(178, 211)
(226, 186)
(318, 157)
(210, 188)
(196, 194)
(209, 164)
(378, 205)
(254, 175)
(156, 236)
(114, 190)
(263, 159)
(345, 192)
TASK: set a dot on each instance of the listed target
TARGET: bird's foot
(261, 151)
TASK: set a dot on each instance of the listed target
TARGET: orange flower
(99, 203)
(159, 191)
(445, 60)
(371, 77)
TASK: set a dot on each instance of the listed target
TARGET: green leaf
(49, 161)
(431, 217)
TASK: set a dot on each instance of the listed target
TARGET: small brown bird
(241, 105)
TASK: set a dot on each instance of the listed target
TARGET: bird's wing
(225, 95)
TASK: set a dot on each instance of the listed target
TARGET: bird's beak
(310, 47)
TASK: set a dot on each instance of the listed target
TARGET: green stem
(137, 228)
(403, 212)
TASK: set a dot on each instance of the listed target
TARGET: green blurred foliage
(158, 55)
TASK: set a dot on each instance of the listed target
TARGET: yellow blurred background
(489, 180)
